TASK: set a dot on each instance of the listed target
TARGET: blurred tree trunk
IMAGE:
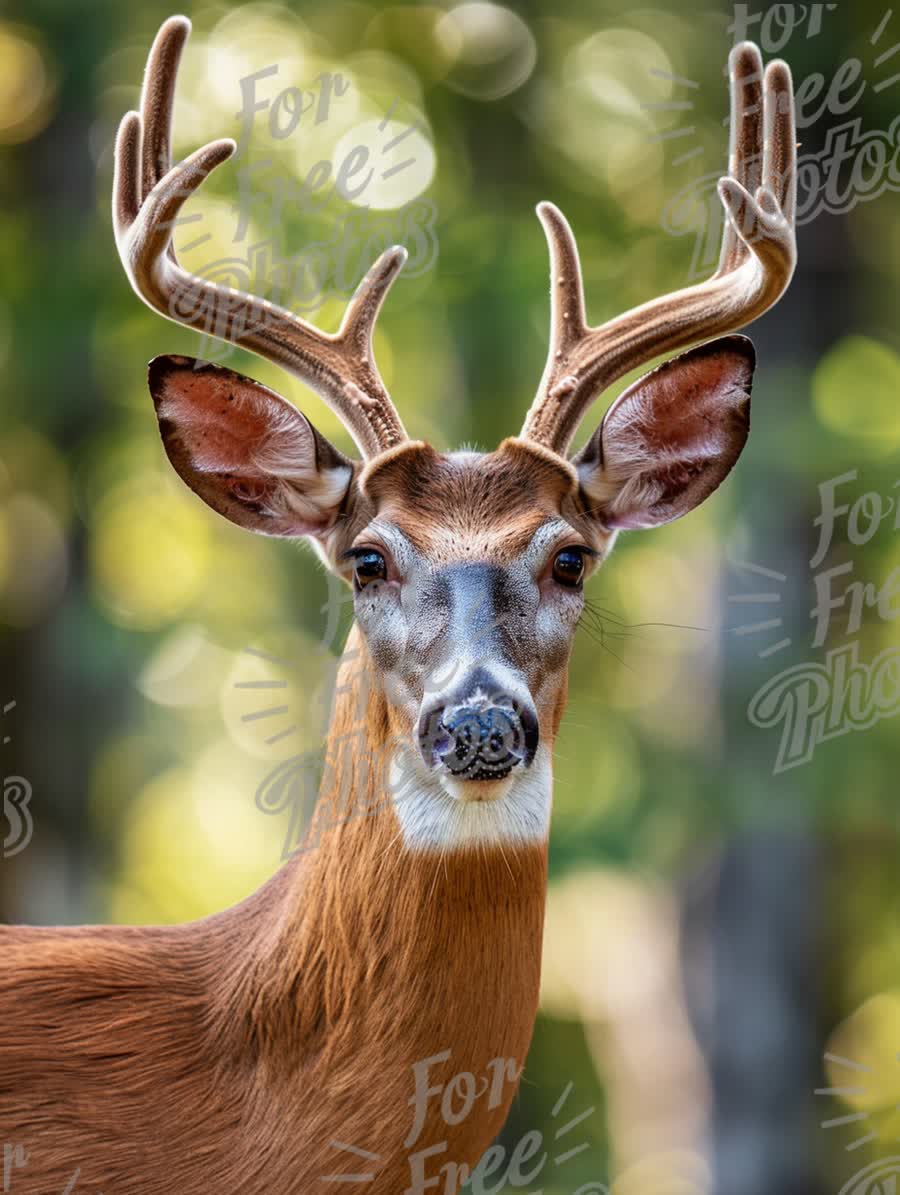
(765, 1053)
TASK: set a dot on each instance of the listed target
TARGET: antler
(148, 193)
(756, 263)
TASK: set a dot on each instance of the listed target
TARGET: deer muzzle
(481, 736)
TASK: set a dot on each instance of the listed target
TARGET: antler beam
(148, 194)
(756, 263)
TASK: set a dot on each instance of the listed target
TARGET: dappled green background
(129, 612)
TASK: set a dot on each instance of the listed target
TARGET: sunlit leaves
(856, 390)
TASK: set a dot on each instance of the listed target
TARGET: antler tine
(780, 140)
(158, 100)
(148, 194)
(755, 266)
(746, 141)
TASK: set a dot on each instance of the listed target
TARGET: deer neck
(377, 956)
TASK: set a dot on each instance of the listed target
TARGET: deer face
(467, 568)
(468, 571)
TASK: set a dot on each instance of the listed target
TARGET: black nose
(480, 738)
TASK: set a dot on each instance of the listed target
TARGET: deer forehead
(445, 553)
(466, 505)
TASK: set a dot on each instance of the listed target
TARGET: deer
(365, 1016)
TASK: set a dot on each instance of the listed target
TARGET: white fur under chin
(435, 814)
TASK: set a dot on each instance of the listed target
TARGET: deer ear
(671, 438)
(247, 452)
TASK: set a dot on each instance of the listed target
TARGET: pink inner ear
(245, 451)
(226, 422)
(671, 438)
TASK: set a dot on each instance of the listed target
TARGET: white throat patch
(435, 815)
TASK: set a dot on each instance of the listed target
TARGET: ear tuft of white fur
(301, 487)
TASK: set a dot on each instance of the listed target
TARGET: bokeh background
(723, 939)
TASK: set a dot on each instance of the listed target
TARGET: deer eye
(568, 567)
(369, 566)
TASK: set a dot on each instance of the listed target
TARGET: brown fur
(230, 1053)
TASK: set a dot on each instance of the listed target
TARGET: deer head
(467, 568)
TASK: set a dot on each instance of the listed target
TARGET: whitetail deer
(232, 1053)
